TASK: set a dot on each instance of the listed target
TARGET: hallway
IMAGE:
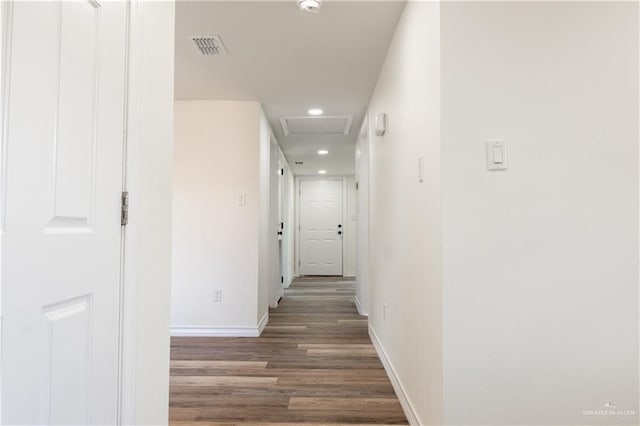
(314, 363)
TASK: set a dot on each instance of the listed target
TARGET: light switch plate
(496, 155)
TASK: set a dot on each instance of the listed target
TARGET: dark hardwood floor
(314, 363)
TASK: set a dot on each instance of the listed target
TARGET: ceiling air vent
(209, 45)
(324, 125)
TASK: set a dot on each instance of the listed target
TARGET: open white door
(280, 225)
(61, 247)
(321, 228)
(275, 284)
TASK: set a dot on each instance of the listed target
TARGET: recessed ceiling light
(312, 6)
(315, 111)
(322, 172)
(323, 152)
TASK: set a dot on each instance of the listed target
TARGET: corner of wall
(404, 217)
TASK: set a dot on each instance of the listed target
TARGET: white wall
(217, 158)
(518, 304)
(265, 261)
(540, 262)
(3, 91)
(363, 281)
(404, 215)
(224, 150)
(148, 247)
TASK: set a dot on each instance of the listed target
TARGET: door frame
(133, 100)
(345, 225)
(5, 26)
(149, 134)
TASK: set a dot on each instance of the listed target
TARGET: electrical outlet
(217, 295)
(384, 311)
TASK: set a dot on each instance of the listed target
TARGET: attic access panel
(329, 125)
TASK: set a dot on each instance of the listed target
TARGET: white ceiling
(289, 61)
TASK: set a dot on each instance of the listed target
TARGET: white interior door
(321, 228)
(284, 226)
(280, 225)
(275, 286)
(61, 246)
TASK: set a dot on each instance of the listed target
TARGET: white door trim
(133, 99)
(342, 179)
(148, 153)
(5, 30)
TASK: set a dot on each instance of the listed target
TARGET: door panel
(61, 246)
(320, 221)
(75, 121)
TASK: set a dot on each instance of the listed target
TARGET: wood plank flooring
(313, 364)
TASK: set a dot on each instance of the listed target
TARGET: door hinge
(298, 263)
(124, 210)
(281, 172)
(282, 280)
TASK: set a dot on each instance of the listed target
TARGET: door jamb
(133, 102)
(5, 47)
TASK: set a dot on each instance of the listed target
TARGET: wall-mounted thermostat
(381, 124)
(496, 155)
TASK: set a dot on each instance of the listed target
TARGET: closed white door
(321, 228)
(61, 246)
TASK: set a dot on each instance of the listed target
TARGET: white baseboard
(359, 306)
(179, 331)
(407, 407)
(349, 275)
(289, 282)
(263, 322)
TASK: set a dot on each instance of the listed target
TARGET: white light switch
(420, 169)
(496, 155)
(242, 201)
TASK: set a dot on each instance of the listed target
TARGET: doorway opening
(265, 194)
